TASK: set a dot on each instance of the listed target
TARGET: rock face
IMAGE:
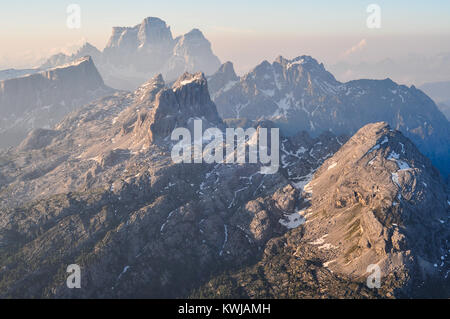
(378, 200)
(300, 94)
(15, 73)
(188, 99)
(135, 54)
(41, 100)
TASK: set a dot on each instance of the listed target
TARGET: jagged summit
(188, 99)
(148, 90)
(158, 109)
(151, 31)
(188, 78)
(154, 30)
(303, 59)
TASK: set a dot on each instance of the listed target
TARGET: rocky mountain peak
(223, 78)
(40, 100)
(307, 66)
(378, 200)
(188, 78)
(191, 90)
(87, 47)
(194, 34)
(227, 69)
(192, 53)
(188, 99)
(83, 67)
(148, 90)
(150, 32)
(154, 31)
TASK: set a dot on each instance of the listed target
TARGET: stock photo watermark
(374, 279)
(221, 151)
(73, 16)
(74, 279)
(374, 19)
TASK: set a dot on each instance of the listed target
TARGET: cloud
(357, 47)
(34, 58)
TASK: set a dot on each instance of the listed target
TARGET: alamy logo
(374, 279)
(229, 151)
(374, 19)
(74, 16)
(74, 279)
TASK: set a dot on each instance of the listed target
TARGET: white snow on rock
(293, 220)
(395, 179)
(332, 166)
(319, 241)
(376, 147)
(328, 263)
(125, 269)
(225, 240)
(393, 156)
(326, 246)
(304, 185)
(402, 165)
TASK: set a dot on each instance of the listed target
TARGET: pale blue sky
(238, 29)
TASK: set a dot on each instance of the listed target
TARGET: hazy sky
(245, 32)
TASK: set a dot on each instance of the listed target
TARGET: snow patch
(225, 240)
(332, 166)
(319, 241)
(395, 179)
(293, 220)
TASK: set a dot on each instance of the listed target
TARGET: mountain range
(300, 94)
(40, 100)
(100, 190)
(135, 54)
(87, 178)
